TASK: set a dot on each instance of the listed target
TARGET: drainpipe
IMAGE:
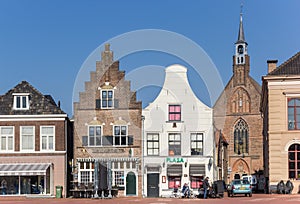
(143, 188)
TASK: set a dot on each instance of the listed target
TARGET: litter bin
(59, 191)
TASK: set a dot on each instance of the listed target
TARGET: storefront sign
(175, 160)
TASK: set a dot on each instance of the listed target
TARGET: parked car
(239, 186)
(252, 180)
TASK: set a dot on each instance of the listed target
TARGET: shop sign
(175, 160)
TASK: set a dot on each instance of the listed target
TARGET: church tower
(237, 116)
(241, 65)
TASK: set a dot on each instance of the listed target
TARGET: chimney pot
(272, 64)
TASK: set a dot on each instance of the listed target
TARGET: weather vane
(241, 8)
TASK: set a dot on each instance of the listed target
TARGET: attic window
(21, 101)
(107, 99)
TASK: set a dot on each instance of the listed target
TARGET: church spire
(241, 36)
(241, 64)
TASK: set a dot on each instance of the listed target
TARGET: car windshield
(240, 182)
(245, 182)
(236, 182)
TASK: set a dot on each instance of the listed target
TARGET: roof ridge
(284, 64)
(289, 60)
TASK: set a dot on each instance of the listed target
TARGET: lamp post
(142, 169)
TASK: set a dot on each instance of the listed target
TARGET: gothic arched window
(294, 161)
(241, 137)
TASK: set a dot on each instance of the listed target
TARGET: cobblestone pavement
(256, 198)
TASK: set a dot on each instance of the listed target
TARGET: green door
(130, 184)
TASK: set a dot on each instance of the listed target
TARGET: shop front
(24, 178)
(167, 174)
(104, 174)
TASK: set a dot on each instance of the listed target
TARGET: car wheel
(250, 194)
(246, 194)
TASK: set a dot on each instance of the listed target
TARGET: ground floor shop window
(15, 185)
(119, 178)
(174, 181)
(196, 181)
(86, 172)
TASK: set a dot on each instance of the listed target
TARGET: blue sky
(46, 42)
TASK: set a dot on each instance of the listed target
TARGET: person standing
(206, 187)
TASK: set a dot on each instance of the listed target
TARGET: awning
(197, 170)
(153, 167)
(23, 169)
(174, 170)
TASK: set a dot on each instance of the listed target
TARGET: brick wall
(225, 119)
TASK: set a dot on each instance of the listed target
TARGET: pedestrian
(186, 190)
(205, 187)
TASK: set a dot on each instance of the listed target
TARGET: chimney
(272, 65)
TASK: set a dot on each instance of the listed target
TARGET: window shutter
(130, 139)
(107, 140)
(84, 140)
(116, 103)
(98, 103)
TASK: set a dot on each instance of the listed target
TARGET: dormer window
(21, 101)
(107, 98)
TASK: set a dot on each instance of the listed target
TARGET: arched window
(241, 137)
(240, 49)
(294, 161)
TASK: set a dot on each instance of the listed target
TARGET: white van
(252, 180)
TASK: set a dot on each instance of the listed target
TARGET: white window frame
(107, 107)
(197, 141)
(90, 172)
(150, 144)
(21, 96)
(114, 136)
(119, 168)
(21, 140)
(117, 174)
(174, 142)
(47, 135)
(7, 136)
(88, 134)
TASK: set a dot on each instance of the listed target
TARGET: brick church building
(237, 117)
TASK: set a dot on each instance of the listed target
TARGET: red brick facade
(240, 100)
(126, 111)
(40, 110)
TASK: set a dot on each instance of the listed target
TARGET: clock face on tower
(240, 49)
